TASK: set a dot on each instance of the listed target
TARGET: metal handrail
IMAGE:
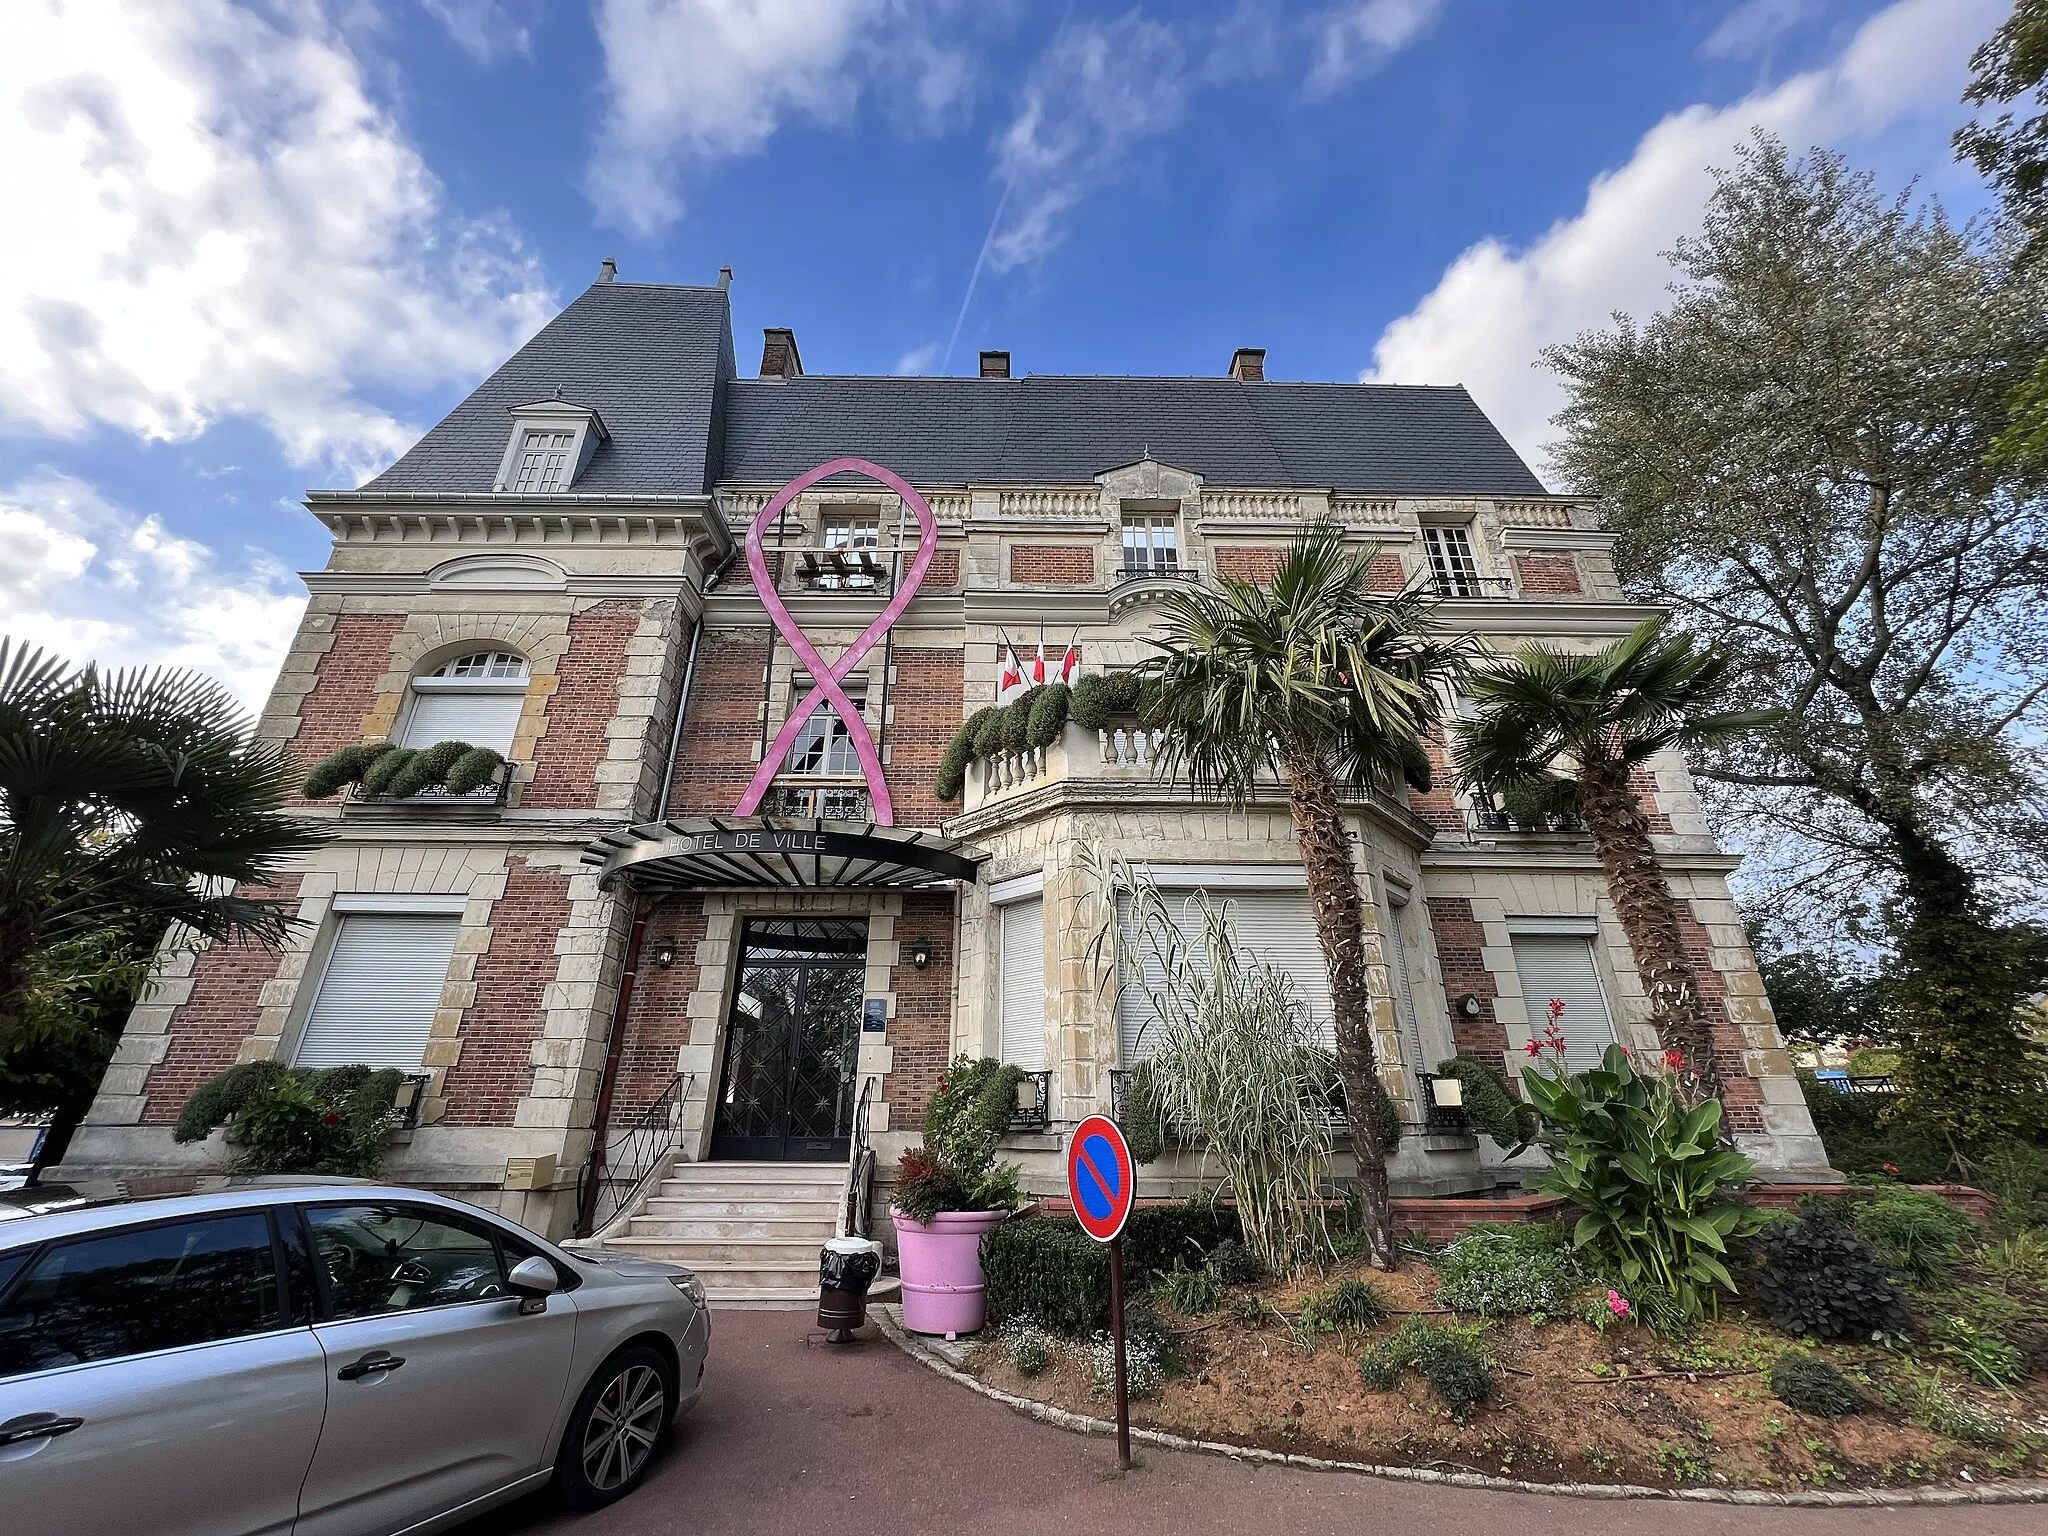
(1494, 818)
(855, 1219)
(1463, 586)
(626, 1159)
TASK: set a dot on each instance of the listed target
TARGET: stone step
(762, 1173)
(694, 1189)
(776, 1298)
(727, 1276)
(716, 1228)
(689, 1208)
(764, 1252)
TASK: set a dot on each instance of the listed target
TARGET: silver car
(326, 1358)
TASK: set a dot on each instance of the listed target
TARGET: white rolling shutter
(380, 989)
(481, 719)
(1023, 983)
(1276, 928)
(1561, 966)
(1395, 944)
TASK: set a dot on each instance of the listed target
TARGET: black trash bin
(846, 1268)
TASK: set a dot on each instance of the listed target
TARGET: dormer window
(551, 444)
(1451, 564)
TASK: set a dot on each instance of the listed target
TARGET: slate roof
(656, 363)
(646, 357)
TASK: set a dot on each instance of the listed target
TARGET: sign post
(1101, 1179)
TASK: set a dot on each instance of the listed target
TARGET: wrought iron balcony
(1174, 572)
(486, 796)
(819, 802)
(1034, 1103)
(1493, 818)
(1470, 587)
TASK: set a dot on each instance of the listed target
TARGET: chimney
(995, 365)
(779, 359)
(609, 271)
(724, 278)
(1248, 365)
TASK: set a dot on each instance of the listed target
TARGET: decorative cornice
(483, 522)
(1527, 616)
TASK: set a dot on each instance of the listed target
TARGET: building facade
(637, 912)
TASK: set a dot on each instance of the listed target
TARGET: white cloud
(486, 30)
(92, 581)
(1357, 38)
(918, 359)
(1495, 308)
(1093, 99)
(1748, 31)
(210, 217)
(692, 81)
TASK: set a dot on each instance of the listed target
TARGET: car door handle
(38, 1426)
(375, 1361)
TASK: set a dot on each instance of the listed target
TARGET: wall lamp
(664, 953)
(920, 953)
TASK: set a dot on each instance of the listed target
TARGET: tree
(1816, 1001)
(1797, 456)
(130, 800)
(1558, 732)
(1333, 688)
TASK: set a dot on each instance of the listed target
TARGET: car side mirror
(533, 1281)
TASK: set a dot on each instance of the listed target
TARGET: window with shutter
(379, 991)
(1277, 928)
(1396, 947)
(475, 698)
(1022, 983)
(1561, 966)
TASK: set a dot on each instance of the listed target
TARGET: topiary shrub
(472, 770)
(952, 776)
(1235, 1264)
(1801, 1381)
(1017, 720)
(1048, 715)
(1510, 1271)
(330, 1120)
(1101, 697)
(1819, 1280)
(1159, 1237)
(1916, 1233)
(1491, 1105)
(337, 770)
(988, 736)
(378, 777)
(1048, 1270)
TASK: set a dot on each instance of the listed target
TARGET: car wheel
(613, 1432)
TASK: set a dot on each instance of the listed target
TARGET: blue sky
(258, 247)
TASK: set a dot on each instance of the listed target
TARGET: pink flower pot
(941, 1267)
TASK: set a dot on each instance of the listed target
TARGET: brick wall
(926, 700)
(920, 1036)
(495, 1069)
(1460, 942)
(943, 573)
(585, 699)
(1386, 574)
(1548, 575)
(1439, 807)
(1248, 562)
(658, 1023)
(345, 686)
(1071, 565)
(1643, 785)
(206, 1034)
(1741, 1098)
(724, 727)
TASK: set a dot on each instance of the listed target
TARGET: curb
(1847, 1498)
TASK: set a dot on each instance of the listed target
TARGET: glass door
(792, 1041)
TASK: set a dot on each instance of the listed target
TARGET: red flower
(1535, 1048)
(1892, 1168)
(330, 1119)
(1556, 1008)
(1675, 1060)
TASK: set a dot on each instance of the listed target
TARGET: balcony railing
(1175, 572)
(1472, 586)
(1034, 1103)
(839, 569)
(1493, 818)
(484, 796)
(817, 802)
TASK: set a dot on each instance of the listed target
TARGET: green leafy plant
(1647, 1172)
(333, 1120)
(1982, 1353)
(1235, 1264)
(1017, 719)
(2019, 1260)
(1448, 1358)
(341, 768)
(2016, 1173)
(1049, 1271)
(1916, 1233)
(1510, 1271)
(1190, 1291)
(1803, 1381)
(1929, 1401)
(1491, 1106)
(398, 773)
(955, 1169)
(1146, 1362)
(952, 776)
(1820, 1280)
(1348, 1304)
(1140, 1119)
(1100, 698)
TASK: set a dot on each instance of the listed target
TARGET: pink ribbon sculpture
(825, 687)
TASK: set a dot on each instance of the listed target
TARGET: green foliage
(1348, 1304)
(2019, 1260)
(1991, 1359)
(1017, 720)
(1099, 699)
(1189, 1291)
(379, 775)
(1863, 1132)
(341, 768)
(332, 1120)
(1510, 1271)
(1049, 1271)
(472, 770)
(1140, 1120)
(1235, 1264)
(1447, 1357)
(1158, 1237)
(988, 736)
(1802, 1381)
(1030, 1347)
(1649, 1176)
(955, 1169)
(952, 777)
(1491, 1106)
(2009, 69)
(1916, 1233)
(1820, 1280)
(1048, 715)
(1816, 1001)
(1934, 1405)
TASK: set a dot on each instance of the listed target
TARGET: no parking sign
(1101, 1181)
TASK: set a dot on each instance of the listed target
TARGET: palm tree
(1315, 678)
(130, 800)
(1562, 733)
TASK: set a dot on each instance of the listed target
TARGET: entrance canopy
(698, 852)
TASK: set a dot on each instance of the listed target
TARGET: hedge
(1047, 1269)
(1490, 1105)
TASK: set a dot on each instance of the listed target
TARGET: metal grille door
(792, 1041)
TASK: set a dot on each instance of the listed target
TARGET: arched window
(474, 698)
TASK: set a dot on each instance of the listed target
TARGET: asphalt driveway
(797, 1438)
